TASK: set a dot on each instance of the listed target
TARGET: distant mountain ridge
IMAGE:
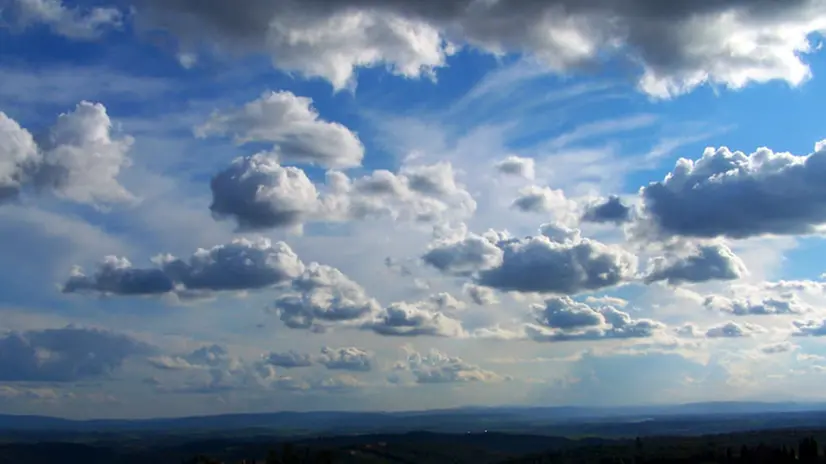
(471, 419)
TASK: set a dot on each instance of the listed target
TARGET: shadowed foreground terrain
(782, 446)
(562, 435)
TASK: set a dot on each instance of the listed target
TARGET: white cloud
(294, 126)
(259, 194)
(517, 166)
(706, 262)
(732, 194)
(71, 22)
(243, 264)
(729, 43)
(437, 367)
(78, 160)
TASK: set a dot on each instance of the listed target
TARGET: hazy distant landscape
(666, 434)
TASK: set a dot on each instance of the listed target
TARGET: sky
(263, 205)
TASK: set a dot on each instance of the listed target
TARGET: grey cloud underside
(258, 193)
(564, 264)
(563, 319)
(239, 265)
(678, 45)
(612, 210)
(708, 262)
(736, 195)
(64, 355)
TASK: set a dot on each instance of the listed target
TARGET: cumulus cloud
(731, 43)
(538, 264)
(71, 22)
(323, 294)
(348, 359)
(809, 328)
(481, 296)
(338, 383)
(732, 194)
(414, 319)
(564, 319)
(533, 264)
(212, 369)
(535, 199)
(258, 193)
(734, 330)
(707, 262)
(243, 264)
(78, 159)
(206, 357)
(288, 359)
(756, 307)
(611, 210)
(437, 367)
(294, 126)
(466, 255)
(559, 233)
(64, 355)
(517, 166)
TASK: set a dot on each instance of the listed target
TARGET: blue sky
(400, 206)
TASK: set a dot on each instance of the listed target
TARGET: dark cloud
(736, 195)
(243, 264)
(676, 45)
(563, 319)
(612, 210)
(708, 262)
(64, 355)
(349, 359)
